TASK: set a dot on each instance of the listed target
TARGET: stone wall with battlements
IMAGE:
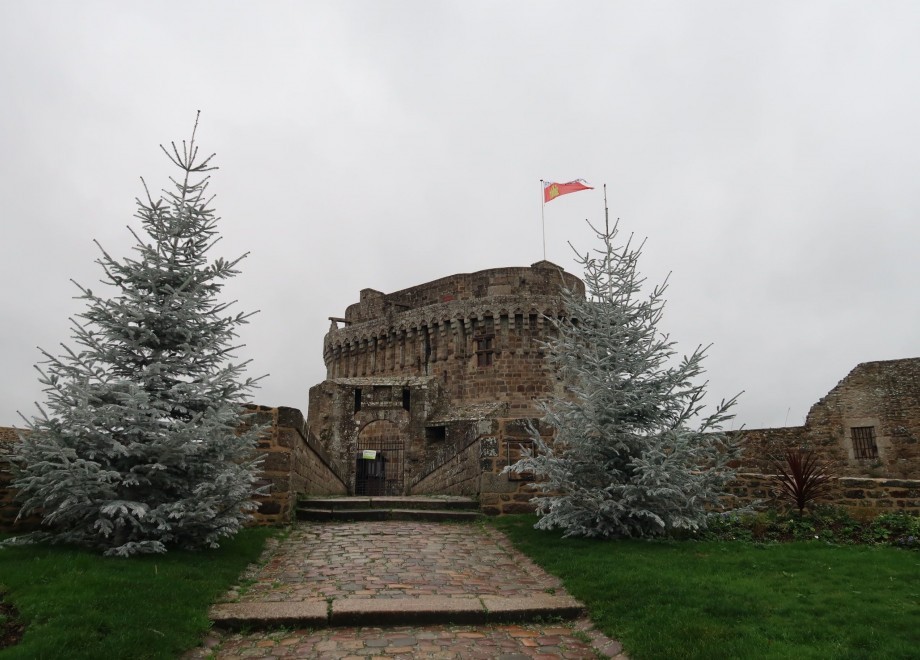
(479, 334)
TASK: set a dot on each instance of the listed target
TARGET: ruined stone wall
(763, 447)
(863, 497)
(881, 396)
(884, 396)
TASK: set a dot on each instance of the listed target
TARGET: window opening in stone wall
(435, 433)
(406, 397)
(357, 399)
(485, 350)
(864, 442)
(426, 347)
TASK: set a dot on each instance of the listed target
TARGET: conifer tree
(625, 459)
(139, 445)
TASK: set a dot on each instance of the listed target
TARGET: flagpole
(606, 212)
(543, 217)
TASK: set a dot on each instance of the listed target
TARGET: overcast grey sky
(768, 151)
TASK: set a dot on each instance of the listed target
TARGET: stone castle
(419, 374)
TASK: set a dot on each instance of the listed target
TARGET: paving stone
(426, 609)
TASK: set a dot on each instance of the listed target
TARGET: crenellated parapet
(481, 333)
(407, 342)
(541, 279)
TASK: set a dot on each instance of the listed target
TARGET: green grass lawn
(725, 599)
(78, 604)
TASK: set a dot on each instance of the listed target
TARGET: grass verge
(77, 604)
(730, 599)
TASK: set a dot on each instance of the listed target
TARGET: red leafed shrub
(802, 477)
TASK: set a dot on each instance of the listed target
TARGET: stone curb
(307, 613)
(316, 613)
(317, 514)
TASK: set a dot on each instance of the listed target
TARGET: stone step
(311, 511)
(317, 613)
(441, 503)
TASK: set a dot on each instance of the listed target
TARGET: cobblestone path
(349, 561)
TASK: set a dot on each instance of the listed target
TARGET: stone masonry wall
(295, 463)
(863, 497)
(456, 476)
(464, 350)
(885, 396)
(446, 341)
(477, 469)
(881, 396)
(349, 414)
(508, 493)
(541, 279)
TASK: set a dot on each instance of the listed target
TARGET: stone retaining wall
(458, 475)
(508, 493)
(862, 496)
(295, 463)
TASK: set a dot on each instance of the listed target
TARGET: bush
(827, 523)
(900, 528)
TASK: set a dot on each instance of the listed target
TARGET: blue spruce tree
(630, 455)
(139, 446)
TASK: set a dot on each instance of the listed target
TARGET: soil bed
(11, 628)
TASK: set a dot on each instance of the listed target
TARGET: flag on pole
(552, 190)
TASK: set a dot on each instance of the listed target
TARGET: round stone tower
(423, 371)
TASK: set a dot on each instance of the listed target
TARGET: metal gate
(384, 474)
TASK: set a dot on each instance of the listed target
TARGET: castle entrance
(380, 460)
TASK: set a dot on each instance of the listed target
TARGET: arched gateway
(380, 459)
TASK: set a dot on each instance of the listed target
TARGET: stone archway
(384, 475)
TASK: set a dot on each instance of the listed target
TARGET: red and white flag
(552, 190)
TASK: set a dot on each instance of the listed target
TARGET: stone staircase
(437, 508)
